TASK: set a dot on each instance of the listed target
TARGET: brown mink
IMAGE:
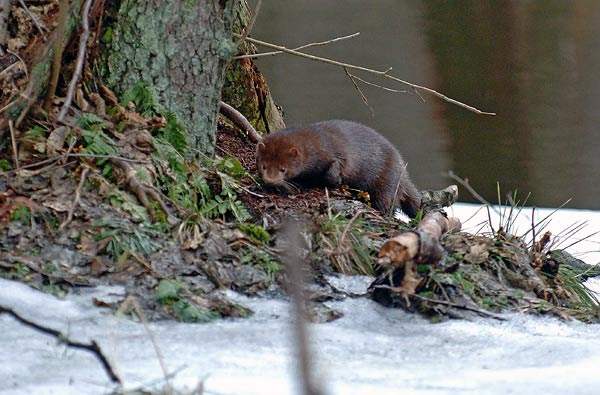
(339, 152)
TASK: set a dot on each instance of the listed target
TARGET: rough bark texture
(245, 87)
(179, 50)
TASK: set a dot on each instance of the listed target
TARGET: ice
(370, 350)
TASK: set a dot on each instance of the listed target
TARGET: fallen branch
(381, 73)
(479, 311)
(91, 347)
(80, 58)
(33, 18)
(400, 255)
(423, 244)
(239, 120)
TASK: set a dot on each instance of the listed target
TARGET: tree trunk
(245, 87)
(179, 50)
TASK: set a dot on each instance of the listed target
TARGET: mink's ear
(260, 146)
(294, 153)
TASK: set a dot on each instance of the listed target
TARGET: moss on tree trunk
(245, 87)
(179, 50)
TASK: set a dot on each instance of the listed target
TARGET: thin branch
(76, 200)
(240, 121)
(477, 196)
(80, 58)
(13, 140)
(91, 347)
(360, 92)
(385, 88)
(315, 44)
(462, 306)
(381, 73)
(33, 18)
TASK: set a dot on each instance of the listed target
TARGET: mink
(338, 152)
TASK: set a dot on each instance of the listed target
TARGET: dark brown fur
(335, 153)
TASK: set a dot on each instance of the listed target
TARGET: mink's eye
(282, 169)
(264, 167)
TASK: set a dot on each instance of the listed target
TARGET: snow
(371, 349)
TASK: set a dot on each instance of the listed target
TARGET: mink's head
(278, 160)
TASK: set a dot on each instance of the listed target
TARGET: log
(400, 255)
(423, 244)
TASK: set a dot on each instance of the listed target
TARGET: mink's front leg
(333, 175)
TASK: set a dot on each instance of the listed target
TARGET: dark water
(535, 63)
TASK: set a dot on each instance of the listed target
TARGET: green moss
(5, 165)
(167, 291)
(256, 233)
(21, 214)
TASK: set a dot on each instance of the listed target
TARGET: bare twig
(240, 121)
(91, 347)
(76, 200)
(462, 306)
(381, 73)
(360, 92)
(33, 18)
(385, 88)
(315, 44)
(80, 58)
(477, 196)
(13, 140)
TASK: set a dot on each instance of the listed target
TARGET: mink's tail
(409, 198)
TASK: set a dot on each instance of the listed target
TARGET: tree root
(143, 192)
(239, 120)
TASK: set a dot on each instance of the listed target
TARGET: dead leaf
(478, 253)
(56, 140)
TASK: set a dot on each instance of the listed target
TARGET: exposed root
(143, 192)
(239, 120)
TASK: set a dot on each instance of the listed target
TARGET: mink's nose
(268, 179)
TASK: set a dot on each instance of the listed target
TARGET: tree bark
(179, 50)
(245, 87)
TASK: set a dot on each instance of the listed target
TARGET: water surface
(534, 63)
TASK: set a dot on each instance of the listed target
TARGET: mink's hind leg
(409, 197)
(382, 201)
